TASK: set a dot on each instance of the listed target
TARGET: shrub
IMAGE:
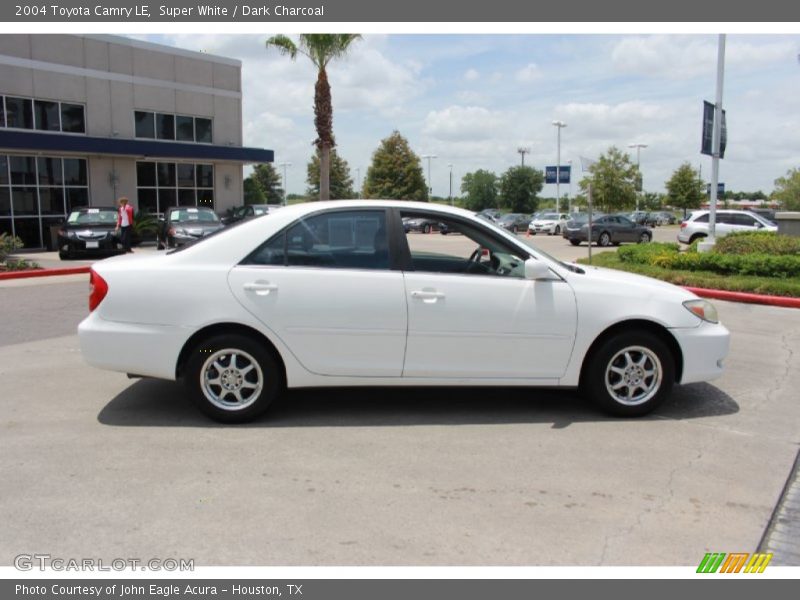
(8, 244)
(20, 264)
(758, 242)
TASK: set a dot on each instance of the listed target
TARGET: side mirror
(536, 269)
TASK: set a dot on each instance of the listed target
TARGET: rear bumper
(147, 350)
(704, 348)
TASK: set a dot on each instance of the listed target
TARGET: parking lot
(94, 464)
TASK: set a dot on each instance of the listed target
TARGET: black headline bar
(466, 11)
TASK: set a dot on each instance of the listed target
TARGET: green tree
(264, 187)
(340, 181)
(321, 49)
(613, 179)
(519, 187)
(787, 190)
(253, 194)
(652, 201)
(395, 172)
(480, 190)
(685, 189)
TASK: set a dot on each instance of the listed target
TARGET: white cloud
(463, 123)
(471, 75)
(530, 72)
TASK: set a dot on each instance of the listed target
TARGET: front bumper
(704, 348)
(75, 245)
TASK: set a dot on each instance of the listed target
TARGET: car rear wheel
(232, 378)
(575, 242)
(604, 239)
(426, 229)
(696, 237)
(558, 230)
(644, 238)
(630, 374)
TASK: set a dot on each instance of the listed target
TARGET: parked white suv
(696, 226)
(549, 223)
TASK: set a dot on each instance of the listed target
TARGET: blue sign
(720, 189)
(564, 174)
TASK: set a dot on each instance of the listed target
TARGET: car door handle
(261, 288)
(427, 296)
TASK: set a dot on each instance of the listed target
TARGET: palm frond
(284, 44)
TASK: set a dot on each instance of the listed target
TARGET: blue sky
(472, 100)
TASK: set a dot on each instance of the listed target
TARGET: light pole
(285, 165)
(523, 150)
(560, 125)
(430, 185)
(450, 166)
(638, 150)
(716, 140)
(569, 198)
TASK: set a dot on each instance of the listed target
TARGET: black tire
(652, 389)
(575, 242)
(644, 238)
(426, 229)
(558, 230)
(65, 255)
(695, 237)
(219, 400)
(604, 239)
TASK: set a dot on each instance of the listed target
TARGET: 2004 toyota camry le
(331, 294)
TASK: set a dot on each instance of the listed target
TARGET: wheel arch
(642, 325)
(226, 329)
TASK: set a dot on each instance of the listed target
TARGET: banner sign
(720, 189)
(708, 131)
(564, 174)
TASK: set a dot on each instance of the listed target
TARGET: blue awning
(34, 141)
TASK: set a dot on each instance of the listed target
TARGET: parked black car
(643, 218)
(514, 222)
(421, 224)
(184, 224)
(89, 230)
(608, 230)
(490, 214)
(248, 211)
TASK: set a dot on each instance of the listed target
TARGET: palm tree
(321, 48)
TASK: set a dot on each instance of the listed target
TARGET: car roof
(88, 208)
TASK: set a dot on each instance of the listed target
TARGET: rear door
(325, 286)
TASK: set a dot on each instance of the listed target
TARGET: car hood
(544, 221)
(200, 226)
(640, 283)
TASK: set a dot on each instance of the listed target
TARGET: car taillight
(683, 225)
(98, 288)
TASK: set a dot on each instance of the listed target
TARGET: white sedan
(549, 223)
(332, 294)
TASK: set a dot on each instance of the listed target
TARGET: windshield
(509, 218)
(549, 217)
(93, 216)
(193, 215)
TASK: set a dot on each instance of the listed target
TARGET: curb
(746, 297)
(44, 272)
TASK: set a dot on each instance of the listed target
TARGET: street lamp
(450, 166)
(523, 150)
(560, 125)
(284, 165)
(430, 184)
(638, 150)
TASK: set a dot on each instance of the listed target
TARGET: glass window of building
(184, 128)
(165, 126)
(145, 124)
(47, 116)
(73, 119)
(202, 128)
(161, 185)
(19, 112)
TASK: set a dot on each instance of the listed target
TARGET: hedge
(758, 263)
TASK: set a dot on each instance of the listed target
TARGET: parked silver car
(727, 221)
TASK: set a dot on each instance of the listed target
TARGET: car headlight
(703, 309)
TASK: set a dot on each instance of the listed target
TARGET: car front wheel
(604, 239)
(630, 374)
(575, 242)
(644, 238)
(232, 378)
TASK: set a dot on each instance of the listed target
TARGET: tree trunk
(325, 172)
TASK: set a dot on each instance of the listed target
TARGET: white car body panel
(483, 331)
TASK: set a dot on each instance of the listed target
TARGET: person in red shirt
(124, 223)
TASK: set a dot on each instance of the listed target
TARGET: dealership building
(85, 119)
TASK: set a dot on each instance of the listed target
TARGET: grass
(773, 286)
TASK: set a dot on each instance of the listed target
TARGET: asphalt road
(93, 464)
